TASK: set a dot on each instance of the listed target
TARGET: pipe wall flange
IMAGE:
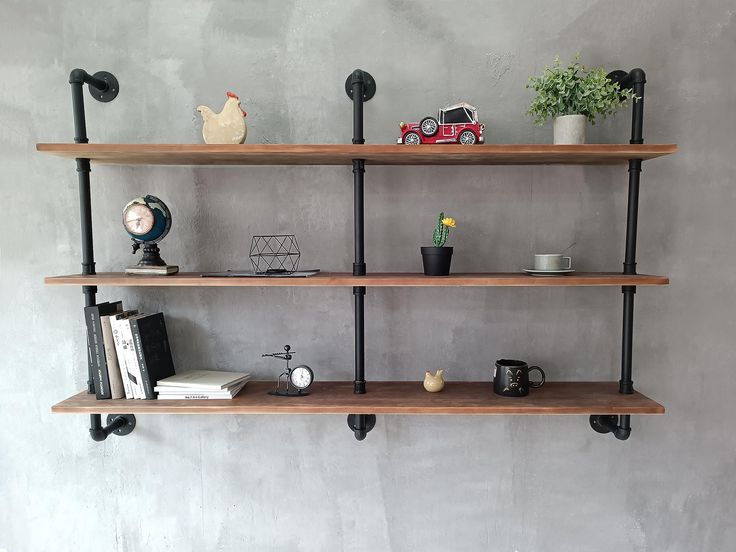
(369, 84)
(110, 93)
(124, 429)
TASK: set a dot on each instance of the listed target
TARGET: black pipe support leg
(118, 424)
(361, 424)
(618, 425)
(103, 87)
(360, 87)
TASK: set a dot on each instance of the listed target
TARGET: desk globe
(147, 220)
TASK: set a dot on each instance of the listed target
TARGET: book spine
(131, 360)
(117, 390)
(115, 326)
(97, 355)
(145, 380)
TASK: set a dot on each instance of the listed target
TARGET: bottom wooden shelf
(388, 397)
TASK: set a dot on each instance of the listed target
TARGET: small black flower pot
(436, 260)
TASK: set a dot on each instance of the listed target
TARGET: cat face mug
(511, 378)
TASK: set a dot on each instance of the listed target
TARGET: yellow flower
(449, 221)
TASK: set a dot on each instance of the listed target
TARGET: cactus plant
(442, 231)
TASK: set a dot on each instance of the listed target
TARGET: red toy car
(454, 124)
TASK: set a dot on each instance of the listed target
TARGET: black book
(96, 346)
(152, 351)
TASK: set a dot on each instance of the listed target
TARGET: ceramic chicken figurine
(434, 383)
(226, 127)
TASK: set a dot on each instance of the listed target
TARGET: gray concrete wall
(417, 483)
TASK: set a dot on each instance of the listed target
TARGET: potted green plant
(437, 259)
(572, 96)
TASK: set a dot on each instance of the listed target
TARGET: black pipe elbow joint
(103, 86)
(118, 424)
(609, 424)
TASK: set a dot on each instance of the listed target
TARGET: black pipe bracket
(117, 424)
(110, 92)
(369, 84)
(361, 424)
(609, 424)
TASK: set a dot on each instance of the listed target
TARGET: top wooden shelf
(338, 154)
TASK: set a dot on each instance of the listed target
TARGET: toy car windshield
(455, 116)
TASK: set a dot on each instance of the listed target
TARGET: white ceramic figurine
(434, 383)
(226, 127)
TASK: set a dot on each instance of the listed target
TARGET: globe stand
(151, 263)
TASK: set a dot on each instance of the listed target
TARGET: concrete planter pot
(570, 129)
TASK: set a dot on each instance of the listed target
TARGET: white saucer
(548, 272)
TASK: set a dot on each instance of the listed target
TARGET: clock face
(301, 377)
(138, 219)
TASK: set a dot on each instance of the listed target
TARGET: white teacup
(552, 261)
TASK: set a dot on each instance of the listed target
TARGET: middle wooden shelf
(378, 279)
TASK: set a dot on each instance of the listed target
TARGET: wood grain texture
(340, 154)
(388, 397)
(344, 279)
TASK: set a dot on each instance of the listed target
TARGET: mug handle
(569, 263)
(536, 384)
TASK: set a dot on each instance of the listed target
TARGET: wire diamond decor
(274, 254)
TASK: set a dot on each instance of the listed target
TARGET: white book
(117, 389)
(166, 390)
(189, 397)
(186, 394)
(131, 359)
(120, 350)
(204, 379)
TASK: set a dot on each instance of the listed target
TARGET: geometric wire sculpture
(274, 254)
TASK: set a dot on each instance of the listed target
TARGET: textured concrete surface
(447, 483)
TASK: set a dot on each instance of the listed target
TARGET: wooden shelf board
(344, 279)
(388, 397)
(340, 154)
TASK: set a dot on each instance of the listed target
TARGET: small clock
(301, 377)
(296, 380)
(147, 220)
(138, 219)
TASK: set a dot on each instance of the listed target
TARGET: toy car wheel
(429, 126)
(412, 138)
(467, 137)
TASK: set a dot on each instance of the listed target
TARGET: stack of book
(128, 351)
(202, 384)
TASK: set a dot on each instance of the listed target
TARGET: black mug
(511, 378)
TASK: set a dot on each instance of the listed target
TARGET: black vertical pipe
(359, 269)
(635, 79)
(77, 78)
(359, 266)
(357, 81)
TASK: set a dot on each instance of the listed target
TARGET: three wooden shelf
(595, 398)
